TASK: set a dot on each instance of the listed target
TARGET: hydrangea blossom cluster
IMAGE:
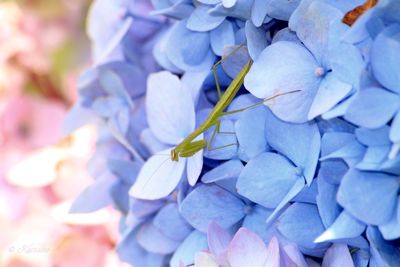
(309, 177)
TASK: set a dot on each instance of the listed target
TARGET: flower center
(319, 72)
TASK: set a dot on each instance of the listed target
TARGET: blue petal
(330, 92)
(207, 203)
(130, 251)
(201, 21)
(189, 50)
(250, 132)
(255, 221)
(391, 229)
(370, 197)
(385, 59)
(395, 129)
(311, 21)
(301, 224)
(148, 233)
(345, 226)
(332, 171)
(308, 194)
(234, 59)
(226, 170)
(143, 208)
(373, 107)
(373, 158)
(382, 252)
(259, 12)
(299, 142)
(326, 202)
(256, 39)
(166, 96)
(221, 37)
(170, 223)
(94, 197)
(281, 10)
(270, 76)
(77, 117)
(158, 177)
(185, 253)
(266, 179)
(160, 54)
(373, 137)
(338, 255)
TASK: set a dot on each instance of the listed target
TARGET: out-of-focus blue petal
(189, 50)
(246, 249)
(76, 117)
(373, 107)
(391, 229)
(338, 255)
(222, 36)
(382, 252)
(270, 76)
(94, 197)
(375, 207)
(160, 54)
(148, 233)
(256, 39)
(385, 59)
(250, 132)
(180, 9)
(130, 251)
(299, 142)
(311, 22)
(227, 170)
(158, 177)
(151, 142)
(330, 92)
(107, 106)
(259, 12)
(207, 203)
(326, 202)
(185, 253)
(218, 238)
(170, 108)
(281, 10)
(301, 224)
(266, 179)
(143, 208)
(201, 21)
(345, 226)
(125, 170)
(170, 223)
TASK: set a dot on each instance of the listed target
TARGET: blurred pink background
(42, 49)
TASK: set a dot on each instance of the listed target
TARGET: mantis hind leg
(215, 131)
(219, 62)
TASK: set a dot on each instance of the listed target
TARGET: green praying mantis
(188, 147)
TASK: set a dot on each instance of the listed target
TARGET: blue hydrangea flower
(321, 71)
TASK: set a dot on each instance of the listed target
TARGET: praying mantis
(188, 147)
